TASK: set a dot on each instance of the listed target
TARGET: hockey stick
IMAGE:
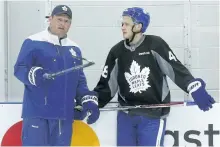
(171, 104)
(50, 76)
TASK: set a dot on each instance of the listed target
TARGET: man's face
(128, 27)
(127, 24)
(60, 24)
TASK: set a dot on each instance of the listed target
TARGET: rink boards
(186, 126)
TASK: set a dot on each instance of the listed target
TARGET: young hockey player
(136, 68)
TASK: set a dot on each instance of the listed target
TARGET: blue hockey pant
(139, 130)
(44, 132)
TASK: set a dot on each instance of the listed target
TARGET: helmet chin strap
(128, 41)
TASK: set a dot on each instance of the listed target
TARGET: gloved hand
(89, 108)
(35, 76)
(196, 89)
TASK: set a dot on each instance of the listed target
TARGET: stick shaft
(171, 104)
(49, 76)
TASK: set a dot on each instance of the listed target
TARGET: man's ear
(138, 27)
(50, 18)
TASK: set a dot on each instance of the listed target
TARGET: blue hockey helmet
(138, 16)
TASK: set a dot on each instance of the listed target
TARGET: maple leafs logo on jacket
(137, 78)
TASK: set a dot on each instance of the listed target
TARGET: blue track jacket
(55, 98)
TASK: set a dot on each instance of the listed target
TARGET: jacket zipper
(64, 63)
(60, 131)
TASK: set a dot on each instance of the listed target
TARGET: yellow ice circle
(83, 135)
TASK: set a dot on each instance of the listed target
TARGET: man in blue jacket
(48, 103)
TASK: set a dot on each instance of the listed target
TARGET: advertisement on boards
(186, 126)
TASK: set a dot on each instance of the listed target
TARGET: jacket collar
(55, 39)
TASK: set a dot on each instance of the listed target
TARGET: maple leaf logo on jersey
(137, 79)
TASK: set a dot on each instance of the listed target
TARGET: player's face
(126, 27)
(60, 24)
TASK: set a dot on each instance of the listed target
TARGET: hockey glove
(196, 89)
(35, 76)
(90, 107)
